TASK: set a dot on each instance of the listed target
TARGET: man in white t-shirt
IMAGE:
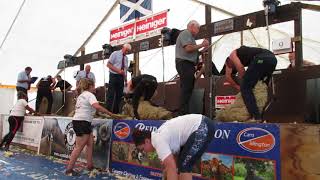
(192, 132)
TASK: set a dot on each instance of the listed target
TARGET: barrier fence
(238, 150)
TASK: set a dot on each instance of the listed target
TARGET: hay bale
(238, 110)
(147, 111)
(113, 116)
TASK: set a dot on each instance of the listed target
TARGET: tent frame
(285, 13)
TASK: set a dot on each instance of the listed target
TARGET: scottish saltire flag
(131, 9)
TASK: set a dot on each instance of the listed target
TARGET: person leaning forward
(260, 62)
(187, 53)
(176, 137)
(118, 66)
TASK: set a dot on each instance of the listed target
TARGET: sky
(46, 30)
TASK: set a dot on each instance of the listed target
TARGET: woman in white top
(16, 118)
(86, 106)
(187, 136)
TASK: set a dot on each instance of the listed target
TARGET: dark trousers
(261, 68)
(40, 95)
(15, 123)
(22, 89)
(115, 92)
(186, 72)
(196, 145)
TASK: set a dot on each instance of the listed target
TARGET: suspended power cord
(104, 80)
(162, 50)
(267, 24)
(193, 12)
(153, 55)
(14, 20)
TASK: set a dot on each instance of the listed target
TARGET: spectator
(292, 59)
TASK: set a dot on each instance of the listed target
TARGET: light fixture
(107, 50)
(271, 6)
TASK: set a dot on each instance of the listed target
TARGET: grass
(238, 178)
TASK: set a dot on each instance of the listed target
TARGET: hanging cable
(14, 20)
(179, 28)
(266, 12)
(104, 80)
(163, 66)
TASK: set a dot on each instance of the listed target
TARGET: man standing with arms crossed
(187, 53)
(118, 65)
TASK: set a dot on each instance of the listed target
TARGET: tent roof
(44, 31)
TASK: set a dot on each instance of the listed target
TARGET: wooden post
(208, 100)
(298, 42)
(241, 38)
(136, 69)
(83, 52)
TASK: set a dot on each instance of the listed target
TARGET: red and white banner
(151, 26)
(223, 101)
(122, 34)
(145, 27)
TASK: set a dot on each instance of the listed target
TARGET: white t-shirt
(84, 110)
(174, 133)
(19, 109)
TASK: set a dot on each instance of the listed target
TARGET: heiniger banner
(143, 28)
(237, 151)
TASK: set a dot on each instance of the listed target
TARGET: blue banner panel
(238, 151)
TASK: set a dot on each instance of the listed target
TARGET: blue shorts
(196, 145)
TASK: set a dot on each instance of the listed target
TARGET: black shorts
(82, 127)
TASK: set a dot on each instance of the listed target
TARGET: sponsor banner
(151, 26)
(144, 28)
(29, 132)
(128, 160)
(1, 120)
(222, 101)
(58, 139)
(121, 35)
(238, 150)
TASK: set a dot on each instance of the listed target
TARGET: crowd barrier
(237, 150)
